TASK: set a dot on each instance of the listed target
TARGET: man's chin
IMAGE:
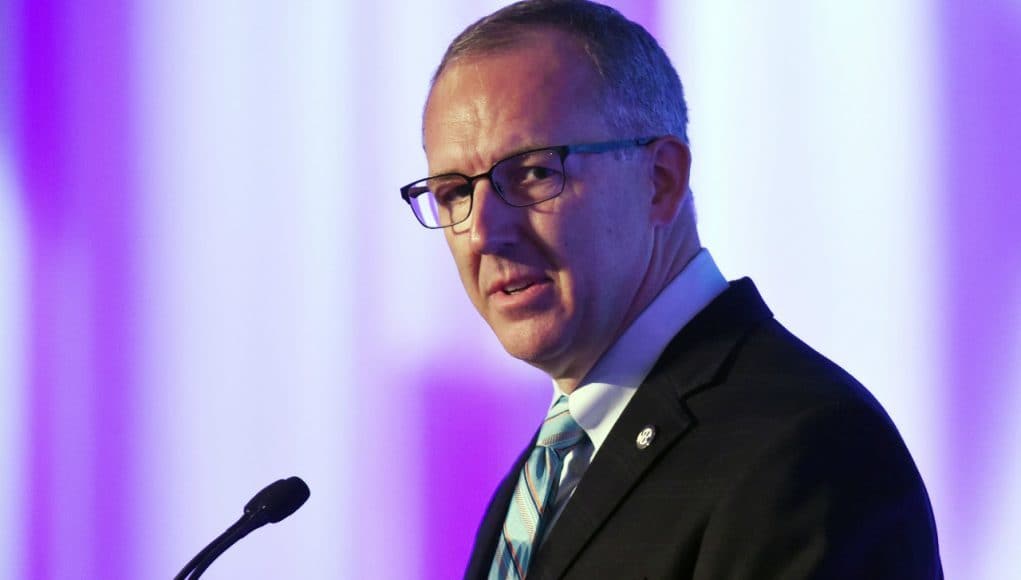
(543, 352)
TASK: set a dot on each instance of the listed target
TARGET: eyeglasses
(521, 180)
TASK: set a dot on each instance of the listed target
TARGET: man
(691, 436)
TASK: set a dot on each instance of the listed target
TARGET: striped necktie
(532, 502)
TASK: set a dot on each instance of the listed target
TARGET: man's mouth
(514, 289)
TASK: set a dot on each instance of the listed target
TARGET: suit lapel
(691, 361)
(617, 467)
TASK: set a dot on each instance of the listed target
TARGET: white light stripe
(814, 144)
(248, 350)
(13, 338)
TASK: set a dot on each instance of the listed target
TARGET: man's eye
(538, 173)
(453, 194)
(531, 174)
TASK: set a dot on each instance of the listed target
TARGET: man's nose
(493, 221)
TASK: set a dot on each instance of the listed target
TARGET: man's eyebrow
(512, 153)
(445, 174)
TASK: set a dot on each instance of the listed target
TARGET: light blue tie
(531, 505)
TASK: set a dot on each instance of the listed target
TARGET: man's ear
(671, 167)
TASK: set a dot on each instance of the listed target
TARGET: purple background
(176, 334)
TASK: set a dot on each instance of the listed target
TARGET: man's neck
(663, 270)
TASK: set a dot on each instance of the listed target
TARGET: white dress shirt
(607, 389)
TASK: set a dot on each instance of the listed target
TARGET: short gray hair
(641, 91)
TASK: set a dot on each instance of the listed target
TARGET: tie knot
(559, 431)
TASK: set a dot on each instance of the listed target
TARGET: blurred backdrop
(208, 280)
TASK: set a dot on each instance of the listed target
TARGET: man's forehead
(516, 96)
(544, 57)
(552, 43)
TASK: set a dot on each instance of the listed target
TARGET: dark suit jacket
(769, 462)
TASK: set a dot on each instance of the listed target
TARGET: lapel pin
(645, 437)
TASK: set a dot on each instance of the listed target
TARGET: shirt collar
(606, 390)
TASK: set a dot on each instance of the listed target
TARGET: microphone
(273, 503)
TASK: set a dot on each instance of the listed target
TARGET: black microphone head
(278, 500)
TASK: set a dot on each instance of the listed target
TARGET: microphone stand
(273, 503)
(212, 551)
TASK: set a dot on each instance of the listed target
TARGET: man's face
(557, 282)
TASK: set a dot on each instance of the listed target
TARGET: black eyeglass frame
(562, 150)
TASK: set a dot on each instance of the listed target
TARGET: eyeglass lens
(522, 180)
